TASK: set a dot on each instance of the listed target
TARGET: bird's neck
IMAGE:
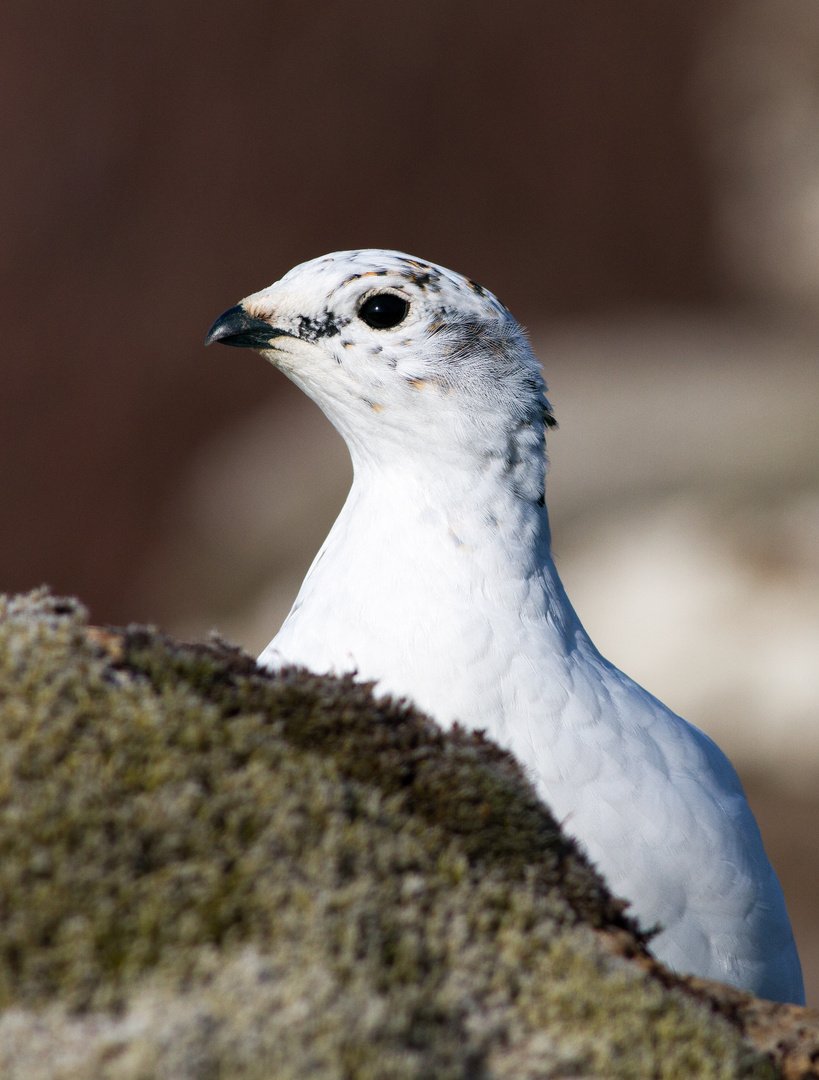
(472, 524)
(484, 499)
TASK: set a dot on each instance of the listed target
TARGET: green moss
(209, 871)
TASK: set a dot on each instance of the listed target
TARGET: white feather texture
(437, 582)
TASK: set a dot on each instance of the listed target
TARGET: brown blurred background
(639, 182)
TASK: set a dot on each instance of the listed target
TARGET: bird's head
(394, 350)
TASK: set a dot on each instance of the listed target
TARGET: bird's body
(437, 582)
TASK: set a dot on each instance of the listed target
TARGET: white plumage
(437, 582)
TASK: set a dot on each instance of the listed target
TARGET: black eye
(383, 311)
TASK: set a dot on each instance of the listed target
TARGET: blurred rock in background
(639, 183)
(756, 90)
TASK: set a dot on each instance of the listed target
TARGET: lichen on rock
(208, 870)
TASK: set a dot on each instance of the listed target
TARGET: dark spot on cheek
(325, 326)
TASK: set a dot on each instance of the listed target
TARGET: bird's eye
(383, 311)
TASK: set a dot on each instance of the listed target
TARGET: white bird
(437, 582)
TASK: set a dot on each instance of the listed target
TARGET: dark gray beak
(236, 327)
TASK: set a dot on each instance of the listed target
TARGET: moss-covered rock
(209, 871)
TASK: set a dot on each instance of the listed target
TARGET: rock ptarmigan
(437, 582)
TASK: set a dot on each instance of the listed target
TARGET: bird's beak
(236, 327)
